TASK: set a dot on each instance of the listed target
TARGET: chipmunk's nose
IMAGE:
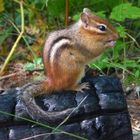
(113, 37)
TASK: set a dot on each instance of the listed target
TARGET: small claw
(83, 86)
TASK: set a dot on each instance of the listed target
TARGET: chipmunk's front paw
(82, 87)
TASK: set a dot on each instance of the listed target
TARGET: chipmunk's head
(100, 30)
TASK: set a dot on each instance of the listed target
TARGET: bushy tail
(27, 94)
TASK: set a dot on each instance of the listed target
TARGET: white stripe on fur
(55, 48)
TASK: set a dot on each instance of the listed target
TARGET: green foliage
(37, 64)
(5, 34)
(125, 10)
(47, 15)
(122, 31)
(56, 7)
(101, 14)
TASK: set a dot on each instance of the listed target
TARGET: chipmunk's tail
(27, 94)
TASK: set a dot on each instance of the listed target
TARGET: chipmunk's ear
(85, 17)
(85, 20)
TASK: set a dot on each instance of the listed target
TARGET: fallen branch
(8, 76)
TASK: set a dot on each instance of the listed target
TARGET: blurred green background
(43, 16)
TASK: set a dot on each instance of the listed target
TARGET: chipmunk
(65, 55)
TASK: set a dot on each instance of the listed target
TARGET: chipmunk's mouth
(110, 43)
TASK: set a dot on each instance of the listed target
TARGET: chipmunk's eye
(101, 27)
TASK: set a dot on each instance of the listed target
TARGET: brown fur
(65, 72)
